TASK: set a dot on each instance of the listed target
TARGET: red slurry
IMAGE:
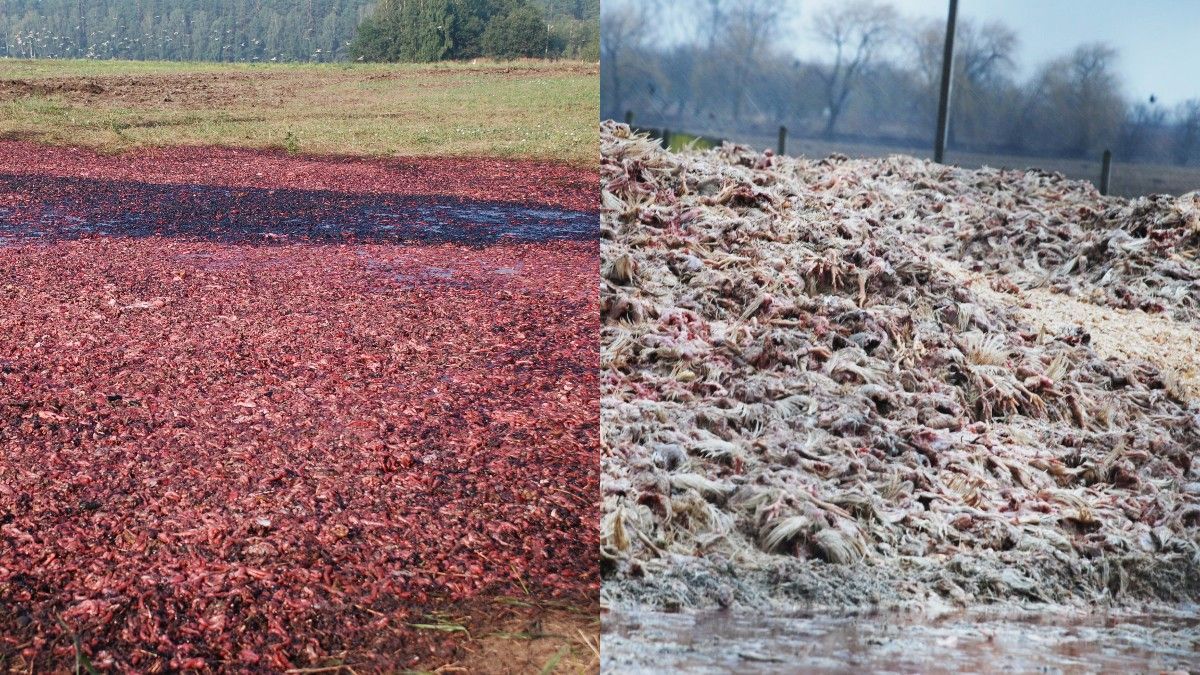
(238, 456)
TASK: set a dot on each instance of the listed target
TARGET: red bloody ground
(230, 455)
(480, 178)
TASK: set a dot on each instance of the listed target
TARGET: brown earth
(515, 639)
(504, 637)
(183, 90)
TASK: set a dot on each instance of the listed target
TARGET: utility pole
(1105, 171)
(943, 119)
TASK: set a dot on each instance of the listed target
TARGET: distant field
(1127, 180)
(527, 109)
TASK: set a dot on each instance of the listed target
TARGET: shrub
(520, 32)
(417, 30)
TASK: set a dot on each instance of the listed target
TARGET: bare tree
(1079, 99)
(656, 61)
(731, 39)
(1187, 141)
(711, 19)
(983, 72)
(1138, 129)
(689, 63)
(624, 27)
(856, 31)
(752, 25)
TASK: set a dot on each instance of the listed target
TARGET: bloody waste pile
(267, 412)
(878, 382)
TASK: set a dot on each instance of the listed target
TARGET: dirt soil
(514, 638)
(209, 89)
(239, 428)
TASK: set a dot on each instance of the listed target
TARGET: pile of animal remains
(798, 385)
(226, 451)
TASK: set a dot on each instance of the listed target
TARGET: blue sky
(1158, 40)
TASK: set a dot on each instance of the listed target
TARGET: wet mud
(47, 208)
(1026, 640)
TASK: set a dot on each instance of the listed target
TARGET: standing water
(953, 642)
(48, 207)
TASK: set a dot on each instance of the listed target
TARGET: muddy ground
(1016, 640)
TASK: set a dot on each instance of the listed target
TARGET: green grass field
(529, 109)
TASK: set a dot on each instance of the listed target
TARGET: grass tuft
(292, 144)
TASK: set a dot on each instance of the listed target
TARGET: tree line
(193, 30)
(268, 30)
(436, 30)
(720, 67)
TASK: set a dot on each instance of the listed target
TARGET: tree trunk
(831, 122)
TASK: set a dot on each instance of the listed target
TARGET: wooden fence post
(666, 139)
(1105, 171)
(629, 117)
(781, 146)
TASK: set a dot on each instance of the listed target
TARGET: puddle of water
(432, 276)
(409, 271)
(68, 208)
(510, 271)
(723, 642)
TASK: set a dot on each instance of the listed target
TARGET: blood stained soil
(266, 412)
